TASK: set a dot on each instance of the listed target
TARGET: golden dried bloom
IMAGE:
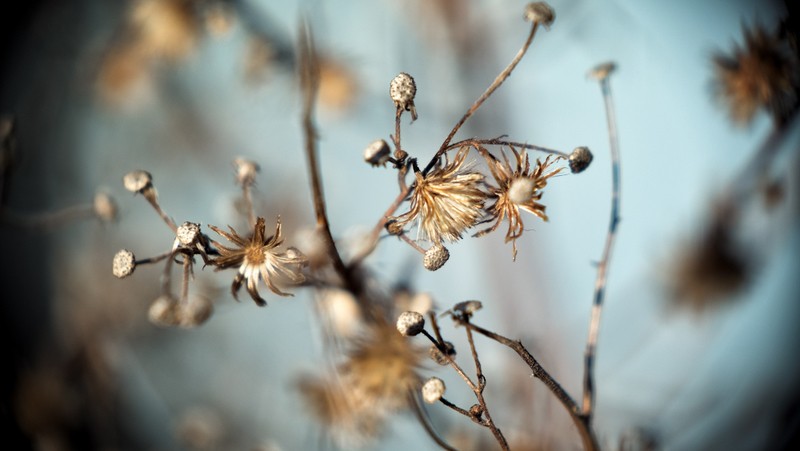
(447, 201)
(518, 187)
(763, 73)
(258, 258)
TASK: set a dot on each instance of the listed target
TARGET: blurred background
(180, 88)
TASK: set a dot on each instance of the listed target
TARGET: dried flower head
(541, 13)
(518, 187)
(580, 159)
(763, 73)
(410, 323)
(163, 311)
(377, 153)
(433, 389)
(447, 201)
(464, 310)
(137, 181)
(246, 171)
(258, 258)
(124, 264)
(105, 208)
(435, 257)
(402, 90)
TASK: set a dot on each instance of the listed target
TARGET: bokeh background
(87, 370)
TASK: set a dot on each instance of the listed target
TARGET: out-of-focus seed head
(464, 310)
(163, 311)
(194, 313)
(246, 171)
(124, 264)
(440, 357)
(435, 257)
(541, 13)
(602, 71)
(402, 90)
(579, 159)
(137, 181)
(410, 323)
(188, 233)
(377, 153)
(105, 208)
(433, 389)
(521, 190)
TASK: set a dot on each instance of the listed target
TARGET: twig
(452, 362)
(501, 142)
(248, 201)
(602, 268)
(486, 94)
(584, 427)
(376, 231)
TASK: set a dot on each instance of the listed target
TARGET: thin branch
(376, 231)
(501, 142)
(450, 360)
(247, 195)
(486, 94)
(602, 268)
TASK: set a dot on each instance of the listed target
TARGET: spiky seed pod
(137, 181)
(441, 357)
(124, 264)
(188, 233)
(435, 257)
(105, 208)
(433, 389)
(579, 159)
(377, 153)
(402, 90)
(410, 323)
(541, 13)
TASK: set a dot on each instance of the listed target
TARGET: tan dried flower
(763, 73)
(447, 201)
(257, 258)
(518, 187)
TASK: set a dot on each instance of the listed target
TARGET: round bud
(435, 257)
(136, 181)
(377, 153)
(433, 389)
(246, 171)
(104, 207)
(440, 357)
(521, 190)
(602, 71)
(410, 323)
(579, 159)
(541, 13)
(188, 233)
(394, 227)
(402, 90)
(124, 264)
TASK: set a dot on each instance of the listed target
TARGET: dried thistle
(763, 73)
(447, 201)
(257, 258)
(518, 187)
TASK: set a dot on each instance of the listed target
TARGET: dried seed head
(402, 90)
(188, 233)
(104, 207)
(521, 190)
(163, 311)
(295, 254)
(464, 310)
(137, 181)
(435, 257)
(410, 323)
(602, 71)
(541, 13)
(394, 227)
(377, 153)
(432, 390)
(579, 159)
(124, 264)
(246, 171)
(194, 313)
(440, 357)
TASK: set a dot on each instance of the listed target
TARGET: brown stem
(450, 360)
(486, 94)
(501, 142)
(152, 198)
(248, 203)
(187, 275)
(584, 427)
(376, 231)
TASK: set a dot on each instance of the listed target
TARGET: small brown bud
(410, 323)
(402, 90)
(435, 257)
(476, 411)
(124, 264)
(377, 153)
(394, 228)
(579, 159)
(433, 389)
(541, 13)
(137, 181)
(440, 357)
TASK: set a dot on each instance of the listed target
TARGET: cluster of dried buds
(451, 195)
(256, 256)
